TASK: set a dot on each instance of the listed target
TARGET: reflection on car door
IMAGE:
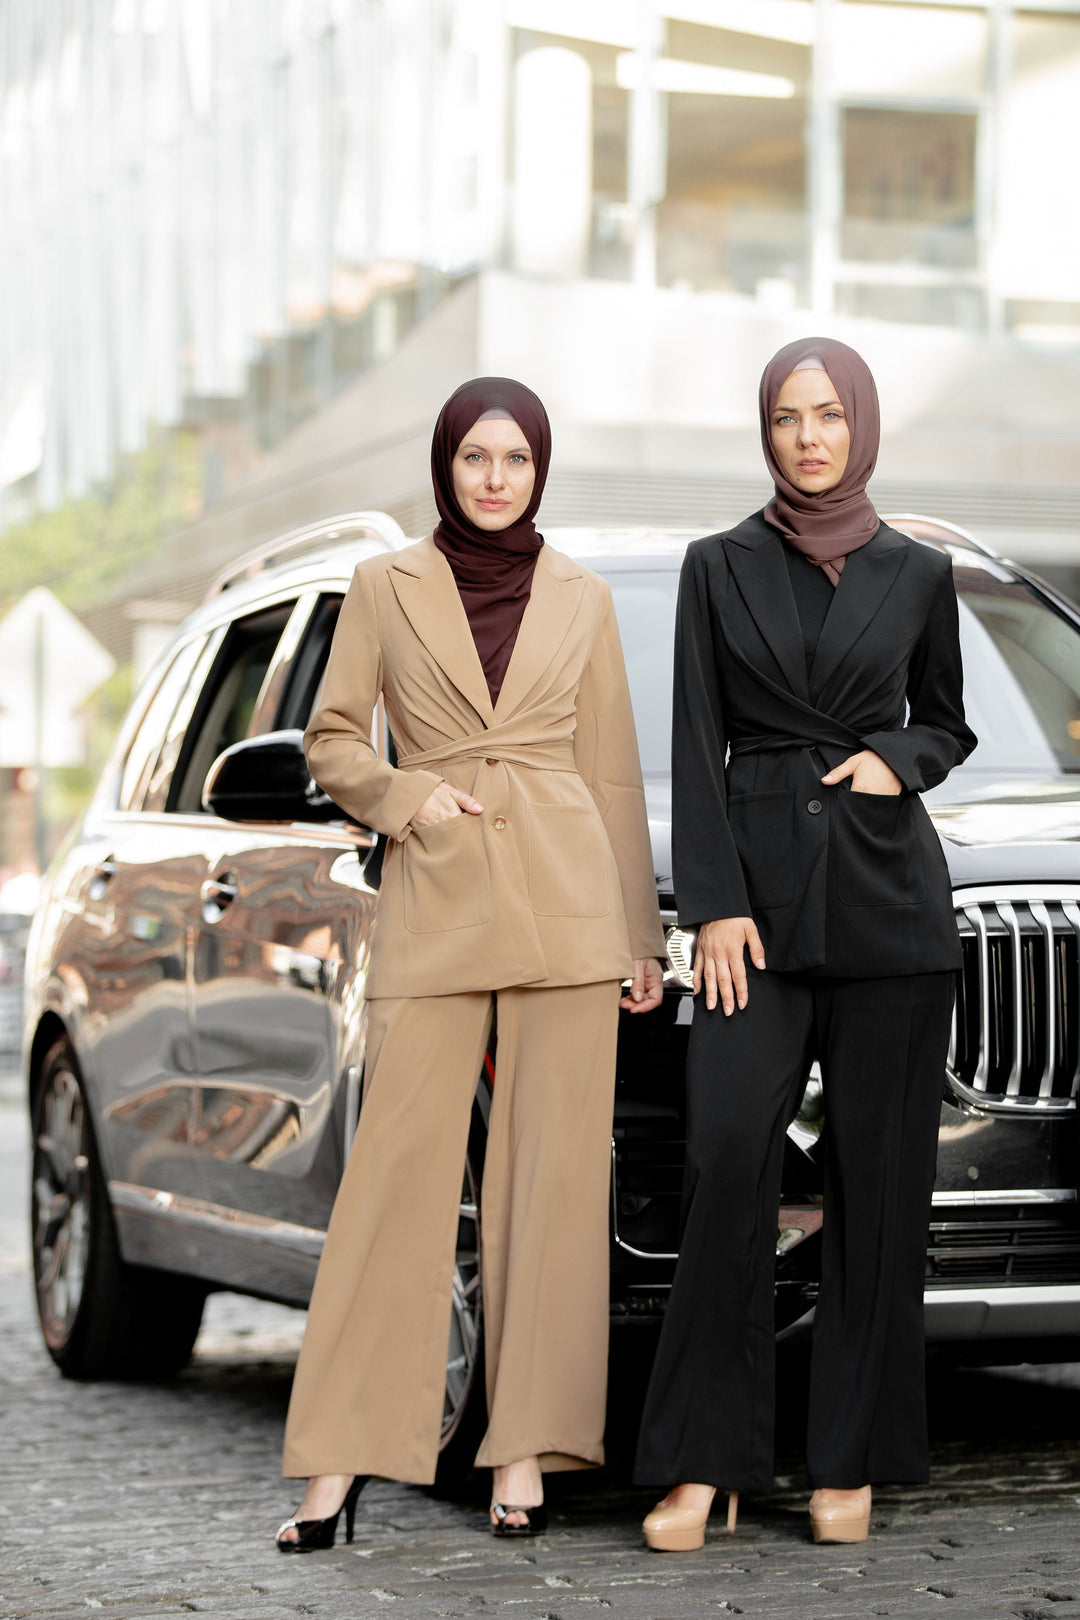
(277, 939)
(134, 953)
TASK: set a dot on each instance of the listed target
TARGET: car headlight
(681, 945)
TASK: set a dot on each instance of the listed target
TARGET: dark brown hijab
(493, 570)
(826, 528)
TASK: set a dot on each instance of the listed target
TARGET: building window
(909, 187)
(733, 213)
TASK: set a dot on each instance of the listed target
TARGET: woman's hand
(647, 990)
(869, 774)
(443, 804)
(720, 963)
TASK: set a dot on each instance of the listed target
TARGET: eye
(520, 460)
(474, 455)
(780, 420)
(834, 416)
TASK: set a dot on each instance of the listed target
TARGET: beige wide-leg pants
(368, 1393)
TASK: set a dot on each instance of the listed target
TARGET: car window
(146, 744)
(1021, 674)
(645, 608)
(227, 702)
(309, 665)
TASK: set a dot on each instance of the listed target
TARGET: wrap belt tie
(554, 755)
(773, 742)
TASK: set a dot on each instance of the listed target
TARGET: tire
(100, 1318)
(465, 1402)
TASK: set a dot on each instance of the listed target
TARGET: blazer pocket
(569, 858)
(446, 876)
(762, 825)
(879, 857)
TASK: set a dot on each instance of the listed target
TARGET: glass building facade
(220, 212)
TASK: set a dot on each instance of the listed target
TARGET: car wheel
(465, 1401)
(100, 1317)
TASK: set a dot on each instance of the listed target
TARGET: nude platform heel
(844, 1521)
(675, 1529)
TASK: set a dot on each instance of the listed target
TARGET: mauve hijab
(493, 569)
(826, 528)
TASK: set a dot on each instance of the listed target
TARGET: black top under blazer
(851, 884)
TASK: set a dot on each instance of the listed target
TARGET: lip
(812, 466)
(493, 506)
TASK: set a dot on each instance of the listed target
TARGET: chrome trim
(378, 526)
(628, 1248)
(199, 1212)
(1004, 898)
(1072, 913)
(1046, 928)
(1007, 912)
(978, 923)
(1005, 1195)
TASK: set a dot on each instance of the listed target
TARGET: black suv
(195, 987)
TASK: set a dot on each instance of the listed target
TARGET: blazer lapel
(424, 585)
(757, 562)
(865, 581)
(557, 587)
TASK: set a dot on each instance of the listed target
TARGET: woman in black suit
(818, 692)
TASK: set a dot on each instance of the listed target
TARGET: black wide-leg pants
(882, 1045)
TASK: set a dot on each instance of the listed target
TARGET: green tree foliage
(84, 549)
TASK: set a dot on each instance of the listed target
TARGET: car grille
(1018, 1243)
(1016, 1025)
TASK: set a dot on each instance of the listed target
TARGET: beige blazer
(554, 883)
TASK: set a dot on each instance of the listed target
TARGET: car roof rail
(379, 526)
(952, 529)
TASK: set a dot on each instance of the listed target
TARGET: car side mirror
(267, 779)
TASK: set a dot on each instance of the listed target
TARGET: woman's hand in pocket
(720, 961)
(869, 774)
(443, 804)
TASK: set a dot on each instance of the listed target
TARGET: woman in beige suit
(517, 885)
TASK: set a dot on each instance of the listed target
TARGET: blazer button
(491, 762)
(499, 823)
(814, 807)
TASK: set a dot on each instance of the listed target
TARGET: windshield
(1021, 667)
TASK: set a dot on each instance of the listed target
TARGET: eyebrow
(825, 405)
(471, 444)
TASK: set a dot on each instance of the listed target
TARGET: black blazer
(853, 884)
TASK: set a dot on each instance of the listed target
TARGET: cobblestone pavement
(150, 1501)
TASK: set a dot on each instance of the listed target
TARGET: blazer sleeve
(709, 880)
(340, 753)
(936, 738)
(606, 753)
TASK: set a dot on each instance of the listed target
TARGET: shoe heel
(350, 1503)
(732, 1511)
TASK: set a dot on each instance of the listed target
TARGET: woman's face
(809, 432)
(494, 474)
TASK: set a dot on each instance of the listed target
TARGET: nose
(495, 476)
(807, 436)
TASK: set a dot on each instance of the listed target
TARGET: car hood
(993, 829)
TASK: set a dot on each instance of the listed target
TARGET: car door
(280, 928)
(131, 969)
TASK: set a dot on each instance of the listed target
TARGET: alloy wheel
(465, 1311)
(60, 1203)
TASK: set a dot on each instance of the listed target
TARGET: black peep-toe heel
(315, 1535)
(536, 1520)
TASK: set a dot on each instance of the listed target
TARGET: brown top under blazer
(553, 884)
(845, 883)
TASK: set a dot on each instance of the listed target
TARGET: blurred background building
(248, 246)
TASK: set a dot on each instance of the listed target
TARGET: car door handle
(216, 894)
(104, 872)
